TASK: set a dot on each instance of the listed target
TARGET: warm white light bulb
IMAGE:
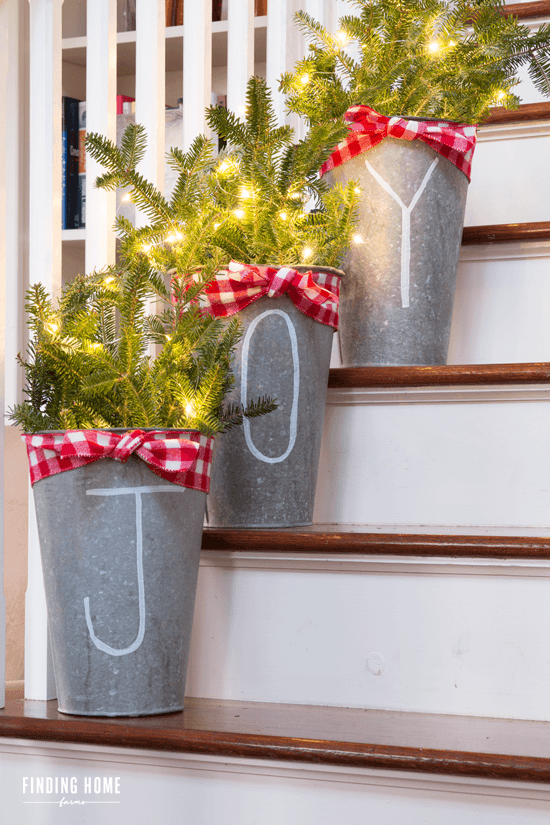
(127, 197)
(217, 226)
(501, 95)
(52, 327)
(434, 46)
(189, 409)
(307, 252)
(146, 247)
(245, 193)
(357, 190)
(304, 80)
(283, 216)
(170, 238)
(357, 239)
(108, 280)
(239, 213)
(342, 36)
(224, 166)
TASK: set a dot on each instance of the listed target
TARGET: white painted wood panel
(474, 463)
(418, 636)
(158, 787)
(101, 67)
(44, 266)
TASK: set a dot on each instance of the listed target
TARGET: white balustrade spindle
(101, 24)
(44, 267)
(150, 89)
(4, 68)
(240, 52)
(16, 148)
(279, 17)
(197, 68)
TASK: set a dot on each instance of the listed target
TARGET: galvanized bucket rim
(116, 430)
(329, 270)
(420, 119)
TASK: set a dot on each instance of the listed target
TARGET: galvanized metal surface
(383, 275)
(120, 629)
(264, 474)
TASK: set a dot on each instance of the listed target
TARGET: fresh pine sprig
(420, 58)
(262, 184)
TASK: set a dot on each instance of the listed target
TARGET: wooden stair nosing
(41, 721)
(339, 541)
(444, 375)
(529, 10)
(523, 114)
(506, 233)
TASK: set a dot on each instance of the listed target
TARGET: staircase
(391, 663)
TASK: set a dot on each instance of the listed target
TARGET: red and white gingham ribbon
(316, 294)
(454, 141)
(178, 456)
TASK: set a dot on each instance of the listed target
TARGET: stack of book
(73, 133)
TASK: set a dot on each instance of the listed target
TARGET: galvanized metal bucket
(120, 553)
(264, 473)
(397, 298)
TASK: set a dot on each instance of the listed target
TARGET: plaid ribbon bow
(315, 294)
(178, 456)
(454, 141)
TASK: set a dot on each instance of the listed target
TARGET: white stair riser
(503, 187)
(159, 787)
(412, 640)
(500, 313)
(480, 463)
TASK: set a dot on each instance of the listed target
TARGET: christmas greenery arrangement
(448, 59)
(89, 361)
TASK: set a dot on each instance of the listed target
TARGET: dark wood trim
(339, 539)
(442, 376)
(505, 232)
(528, 11)
(307, 743)
(525, 112)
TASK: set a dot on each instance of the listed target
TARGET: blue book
(72, 199)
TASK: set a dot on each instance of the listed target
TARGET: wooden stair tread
(357, 738)
(339, 539)
(448, 375)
